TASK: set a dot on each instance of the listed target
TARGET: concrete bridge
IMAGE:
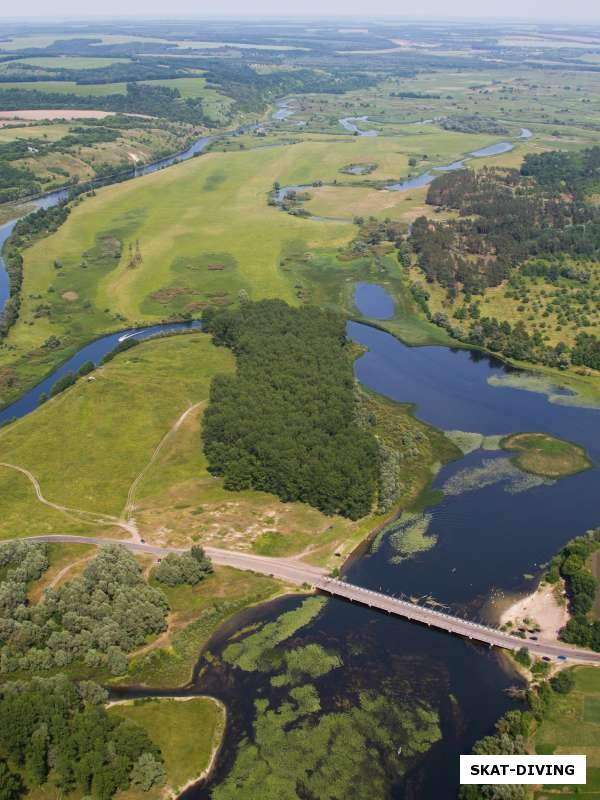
(297, 572)
(447, 622)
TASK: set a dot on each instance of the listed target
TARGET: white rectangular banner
(564, 770)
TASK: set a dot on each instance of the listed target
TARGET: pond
(373, 301)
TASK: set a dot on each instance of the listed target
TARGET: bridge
(301, 574)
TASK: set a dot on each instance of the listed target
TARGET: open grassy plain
(187, 730)
(204, 231)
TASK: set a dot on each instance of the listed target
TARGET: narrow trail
(76, 514)
(128, 510)
(126, 521)
(61, 573)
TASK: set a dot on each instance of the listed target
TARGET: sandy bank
(541, 608)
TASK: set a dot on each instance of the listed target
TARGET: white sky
(539, 10)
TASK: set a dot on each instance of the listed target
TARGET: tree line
(57, 732)
(572, 564)
(39, 223)
(154, 100)
(512, 732)
(94, 620)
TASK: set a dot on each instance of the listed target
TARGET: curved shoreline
(216, 746)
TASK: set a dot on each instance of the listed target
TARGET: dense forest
(95, 619)
(286, 421)
(473, 123)
(57, 732)
(577, 172)
(92, 621)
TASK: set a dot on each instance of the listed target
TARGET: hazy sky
(575, 10)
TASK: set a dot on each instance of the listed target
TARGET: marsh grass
(248, 653)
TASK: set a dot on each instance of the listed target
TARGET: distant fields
(70, 62)
(67, 87)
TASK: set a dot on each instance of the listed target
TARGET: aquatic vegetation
(248, 653)
(409, 535)
(491, 471)
(312, 660)
(291, 752)
(540, 384)
(469, 441)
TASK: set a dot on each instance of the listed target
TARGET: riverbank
(544, 609)
(188, 730)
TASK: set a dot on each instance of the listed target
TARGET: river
(425, 178)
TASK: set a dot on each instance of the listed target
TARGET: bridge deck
(447, 622)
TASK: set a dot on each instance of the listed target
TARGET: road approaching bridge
(301, 574)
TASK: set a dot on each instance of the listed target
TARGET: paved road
(296, 572)
(299, 573)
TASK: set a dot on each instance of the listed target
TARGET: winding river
(490, 528)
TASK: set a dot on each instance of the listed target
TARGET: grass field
(87, 462)
(542, 454)
(91, 444)
(572, 726)
(205, 231)
(68, 87)
(207, 212)
(88, 445)
(51, 132)
(187, 730)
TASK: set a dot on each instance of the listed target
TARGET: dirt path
(129, 509)
(61, 573)
(75, 514)
(126, 521)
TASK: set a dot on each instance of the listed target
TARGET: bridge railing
(340, 586)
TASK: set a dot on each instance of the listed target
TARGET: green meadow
(573, 726)
(204, 232)
(127, 446)
(187, 730)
